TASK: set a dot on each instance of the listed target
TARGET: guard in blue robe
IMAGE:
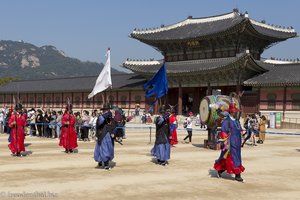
(104, 149)
(162, 149)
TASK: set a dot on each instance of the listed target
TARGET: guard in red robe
(68, 137)
(173, 126)
(17, 122)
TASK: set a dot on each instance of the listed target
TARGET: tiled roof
(200, 27)
(179, 67)
(74, 84)
(278, 75)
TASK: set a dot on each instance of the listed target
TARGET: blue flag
(158, 84)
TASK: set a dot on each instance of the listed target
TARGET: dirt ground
(272, 171)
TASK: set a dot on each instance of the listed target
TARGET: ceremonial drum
(213, 109)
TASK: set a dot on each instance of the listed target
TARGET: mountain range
(22, 60)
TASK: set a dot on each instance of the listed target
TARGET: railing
(291, 123)
(150, 127)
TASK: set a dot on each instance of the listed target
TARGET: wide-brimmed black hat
(106, 106)
(18, 106)
(162, 109)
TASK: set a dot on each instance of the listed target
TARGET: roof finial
(235, 10)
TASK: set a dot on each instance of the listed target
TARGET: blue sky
(85, 28)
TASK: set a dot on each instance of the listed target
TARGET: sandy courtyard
(272, 171)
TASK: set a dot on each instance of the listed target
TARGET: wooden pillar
(11, 104)
(129, 106)
(238, 87)
(156, 107)
(62, 100)
(43, 104)
(196, 100)
(52, 100)
(93, 101)
(117, 96)
(72, 98)
(258, 99)
(209, 89)
(284, 102)
(35, 100)
(179, 99)
(27, 100)
(82, 101)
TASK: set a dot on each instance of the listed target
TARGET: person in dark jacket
(104, 149)
(39, 122)
(162, 149)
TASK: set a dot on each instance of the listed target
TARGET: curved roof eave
(225, 23)
(190, 66)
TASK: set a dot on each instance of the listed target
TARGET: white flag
(104, 79)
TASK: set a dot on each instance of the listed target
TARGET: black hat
(18, 106)
(106, 106)
(162, 109)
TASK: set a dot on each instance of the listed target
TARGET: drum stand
(211, 141)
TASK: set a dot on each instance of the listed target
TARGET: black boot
(99, 165)
(66, 151)
(158, 161)
(164, 163)
(220, 173)
(71, 150)
(106, 165)
(19, 154)
(239, 178)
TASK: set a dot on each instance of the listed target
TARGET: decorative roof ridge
(282, 61)
(276, 28)
(189, 21)
(66, 78)
(208, 60)
(159, 62)
(143, 62)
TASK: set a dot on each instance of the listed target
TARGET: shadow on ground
(27, 144)
(214, 174)
(199, 145)
(26, 153)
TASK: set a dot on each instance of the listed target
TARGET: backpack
(246, 124)
(185, 123)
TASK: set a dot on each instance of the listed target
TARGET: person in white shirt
(92, 123)
(189, 128)
(86, 126)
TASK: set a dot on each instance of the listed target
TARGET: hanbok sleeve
(225, 126)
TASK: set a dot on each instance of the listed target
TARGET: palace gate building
(203, 56)
(219, 55)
